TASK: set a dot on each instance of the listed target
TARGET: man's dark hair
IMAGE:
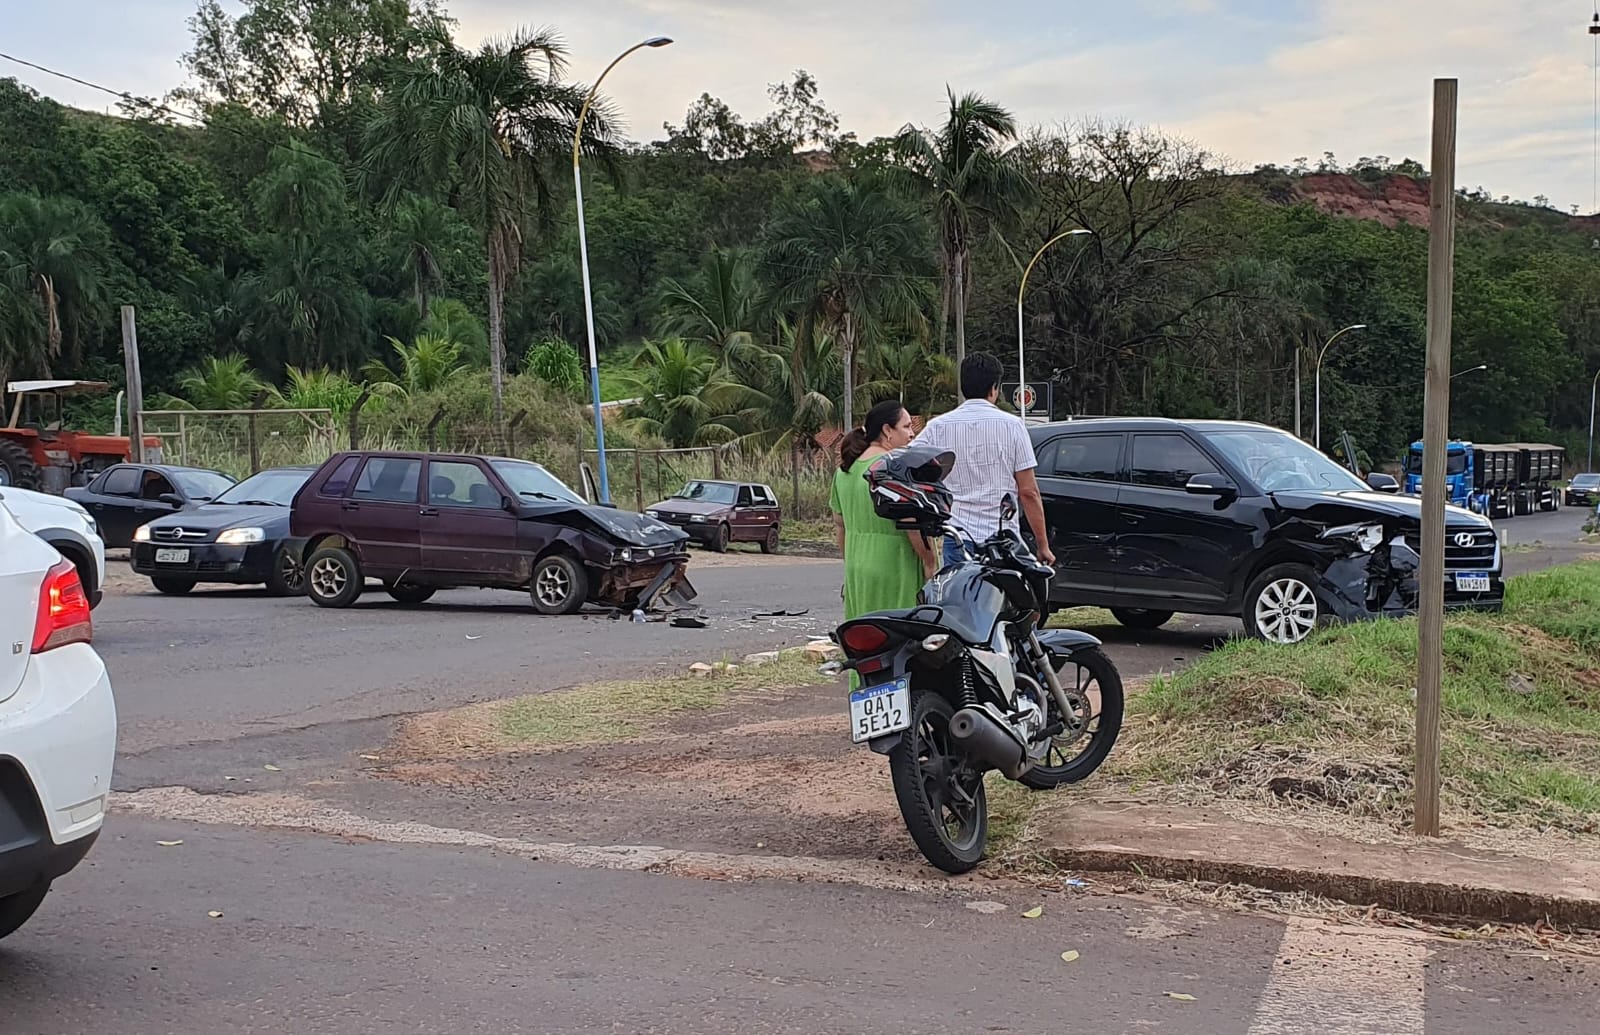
(980, 375)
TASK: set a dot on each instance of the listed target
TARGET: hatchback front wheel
(333, 577)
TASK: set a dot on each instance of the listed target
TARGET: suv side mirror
(1381, 482)
(1216, 485)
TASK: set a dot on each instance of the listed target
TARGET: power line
(121, 94)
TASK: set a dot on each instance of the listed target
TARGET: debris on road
(169, 844)
(1070, 956)
(1033, 914)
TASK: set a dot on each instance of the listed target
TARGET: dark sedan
(1150, 517)
(241, 538)
(1583, 491)
(125, 496)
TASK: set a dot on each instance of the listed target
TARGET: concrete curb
(1417, 897)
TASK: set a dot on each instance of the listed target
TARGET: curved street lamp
(1317, 410)
(583, 252)
(1022, 374)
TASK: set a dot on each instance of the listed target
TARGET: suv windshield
(529, 480)
(1278, 461)
(275, 488)
(202, 485)
(1586, 481)
(711, 492)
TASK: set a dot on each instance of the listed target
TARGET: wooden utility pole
(1435, 425)
(130, 362)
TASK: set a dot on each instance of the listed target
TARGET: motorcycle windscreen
(971, 606)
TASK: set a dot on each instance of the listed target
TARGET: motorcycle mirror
(1008, 508)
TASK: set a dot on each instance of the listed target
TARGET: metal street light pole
(583, 252)
(1022, 373)
(1316, 412)
(1593, 385)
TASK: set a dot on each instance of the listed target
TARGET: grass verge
(1329, 724)
(607, 712)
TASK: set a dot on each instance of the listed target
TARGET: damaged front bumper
(1357, 584)
(658, 585)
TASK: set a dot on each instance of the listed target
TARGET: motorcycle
(967, 682)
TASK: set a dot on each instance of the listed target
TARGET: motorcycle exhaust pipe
(978, 734)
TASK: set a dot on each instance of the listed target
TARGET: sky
(1253, 80)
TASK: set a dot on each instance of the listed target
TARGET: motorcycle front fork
(1052, 680)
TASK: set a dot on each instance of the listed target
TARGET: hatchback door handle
(349, 506)
(429, 512)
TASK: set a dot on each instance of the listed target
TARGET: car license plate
(1471, 582)
(877, 711)
(172, 556)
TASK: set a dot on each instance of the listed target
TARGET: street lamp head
(1358, 327)
(658, 41)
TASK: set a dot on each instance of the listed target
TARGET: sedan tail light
(63, 610)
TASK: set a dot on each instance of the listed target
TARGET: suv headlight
(625, 555)
(242, 536)
(141, 534)
(1367, 537)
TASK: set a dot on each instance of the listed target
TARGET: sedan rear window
(1090, 457)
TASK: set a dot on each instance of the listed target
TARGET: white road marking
(1333, 981)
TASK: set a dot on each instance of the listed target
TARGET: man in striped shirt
(994, 456)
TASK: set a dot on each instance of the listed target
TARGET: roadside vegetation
(1328, 725)
(756, 277)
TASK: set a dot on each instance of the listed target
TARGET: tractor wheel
(17, 467)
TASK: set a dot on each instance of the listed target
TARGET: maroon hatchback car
(421, 522)
(717, 514)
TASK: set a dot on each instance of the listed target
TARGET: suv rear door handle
(1130, 517)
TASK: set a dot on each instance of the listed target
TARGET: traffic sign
(1032, 401)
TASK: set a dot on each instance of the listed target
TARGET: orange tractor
(35, 453)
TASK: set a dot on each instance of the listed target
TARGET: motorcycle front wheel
(940, 792)
(1098, 684)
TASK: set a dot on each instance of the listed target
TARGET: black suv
(1151, 517)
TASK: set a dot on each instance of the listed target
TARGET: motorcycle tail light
(864, 639)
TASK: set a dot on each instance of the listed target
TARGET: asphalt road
(399, 928)
(224, 662)
(323, 935)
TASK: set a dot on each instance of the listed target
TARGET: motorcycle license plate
(877, 711)
(172, 556)
(1472, 582)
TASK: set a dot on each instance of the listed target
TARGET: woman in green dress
(884, 567)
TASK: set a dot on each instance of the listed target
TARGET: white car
(65, 525)
(58, 723)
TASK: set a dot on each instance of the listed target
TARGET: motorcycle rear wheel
(940, 793)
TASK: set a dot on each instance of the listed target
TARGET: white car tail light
(63, 610)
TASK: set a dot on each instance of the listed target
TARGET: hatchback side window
(338, 482)
(124, 481)
(1167, 461)
(1095, 458)
(389, 480)
(745, 497)
(456, 483)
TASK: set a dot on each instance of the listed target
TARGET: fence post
(716, 463)
(511, 432)
(661, 488)
(638, 481)
(355, 416)
(183, 439)
(438, 416)
(794, 476)
(250, 431)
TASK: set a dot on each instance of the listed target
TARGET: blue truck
(1497, 480)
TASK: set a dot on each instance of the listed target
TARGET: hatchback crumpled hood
(625, 526)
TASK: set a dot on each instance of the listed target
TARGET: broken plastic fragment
(169, 844)
(1033, 914)
(1070, 956)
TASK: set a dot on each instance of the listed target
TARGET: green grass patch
(1081, 618)
(1010, 808)
(1330, 723)
(606, 712)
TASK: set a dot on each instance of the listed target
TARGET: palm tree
(684, 396)
(319, 389)
(52, 263)
(849, 258)
(966, 172)
(424, 234)
(800, 379)
(718, 306)
(222, 383)
(427, 364)
(486, 126)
